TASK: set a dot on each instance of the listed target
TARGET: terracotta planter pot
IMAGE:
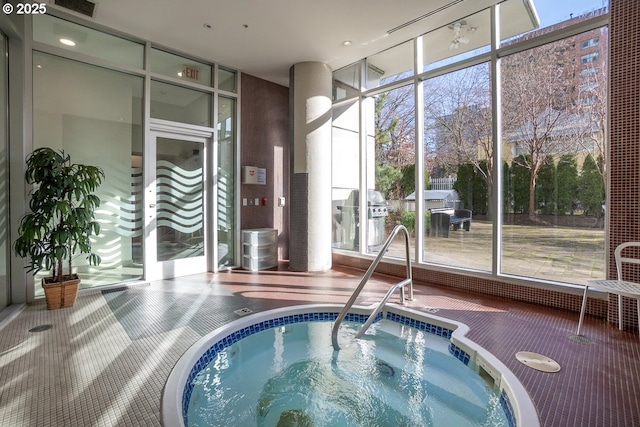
(61, 294)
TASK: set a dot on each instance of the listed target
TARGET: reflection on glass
(226, 181)
(346, 226)
(180, 67)
(390, 65)
(345, 178)
(227, 80)
(76, 38)
(458, 195)
(179, 199)
(519, 17)
(97, 115)
(461, 39)
(179, 104)
(346, 82)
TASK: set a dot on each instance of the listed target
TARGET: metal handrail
(365, 279)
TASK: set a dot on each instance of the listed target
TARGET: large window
(462, 39)
(391, 176)
(179, 104)
(76, 38)
(391, 65)
(345, 160)
(226, 181)
(554, 162)
(510, 188)
(179, 67)
(95, 115)
(459, 169)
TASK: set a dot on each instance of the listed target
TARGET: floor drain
(580, 339)
(112, 290)
(243, 311)
(537, 361)
(41, 328)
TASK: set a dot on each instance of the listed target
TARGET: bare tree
(593, 108)
(539, 104)
(458, 119)
(395, 127)
(394, 136)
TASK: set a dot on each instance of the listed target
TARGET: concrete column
(310, 223)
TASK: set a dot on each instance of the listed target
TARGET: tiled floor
(105, 360)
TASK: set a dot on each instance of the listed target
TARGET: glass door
(176, 196)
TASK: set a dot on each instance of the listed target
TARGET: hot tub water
(291, 376)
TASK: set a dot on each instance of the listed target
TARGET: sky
(553, 11)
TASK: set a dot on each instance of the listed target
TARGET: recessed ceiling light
(346, 43)
(67, 42)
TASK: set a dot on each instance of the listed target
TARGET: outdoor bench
(443, 219)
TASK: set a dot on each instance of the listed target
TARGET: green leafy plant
(62, 206)
(408, 219)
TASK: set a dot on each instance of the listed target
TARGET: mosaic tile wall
(624, 143)
(299, 197)
(623, 206)
(264, 143)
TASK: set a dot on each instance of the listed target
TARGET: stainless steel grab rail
(365, 279)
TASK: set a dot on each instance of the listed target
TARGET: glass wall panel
(179, 104)
(390, 65)
(227, 80)
(519, 17)
(95, 115)
(346, 82)
(226, 178)
(345, 176)
(76, 38)
(180, 67)
(554, 152)
(459, 167)
(391, 171)
(5, 297)
(462, 39)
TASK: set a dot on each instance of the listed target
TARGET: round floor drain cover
(538, 361)
(41, 328)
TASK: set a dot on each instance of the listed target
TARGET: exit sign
(190, 72)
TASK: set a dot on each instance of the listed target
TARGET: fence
(442, 183)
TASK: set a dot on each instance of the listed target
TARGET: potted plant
(61, 221)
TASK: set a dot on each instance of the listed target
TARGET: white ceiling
(265, 38)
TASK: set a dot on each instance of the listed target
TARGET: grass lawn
(565, 254)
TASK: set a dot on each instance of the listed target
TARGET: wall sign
(262, 176)
(254, 175)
